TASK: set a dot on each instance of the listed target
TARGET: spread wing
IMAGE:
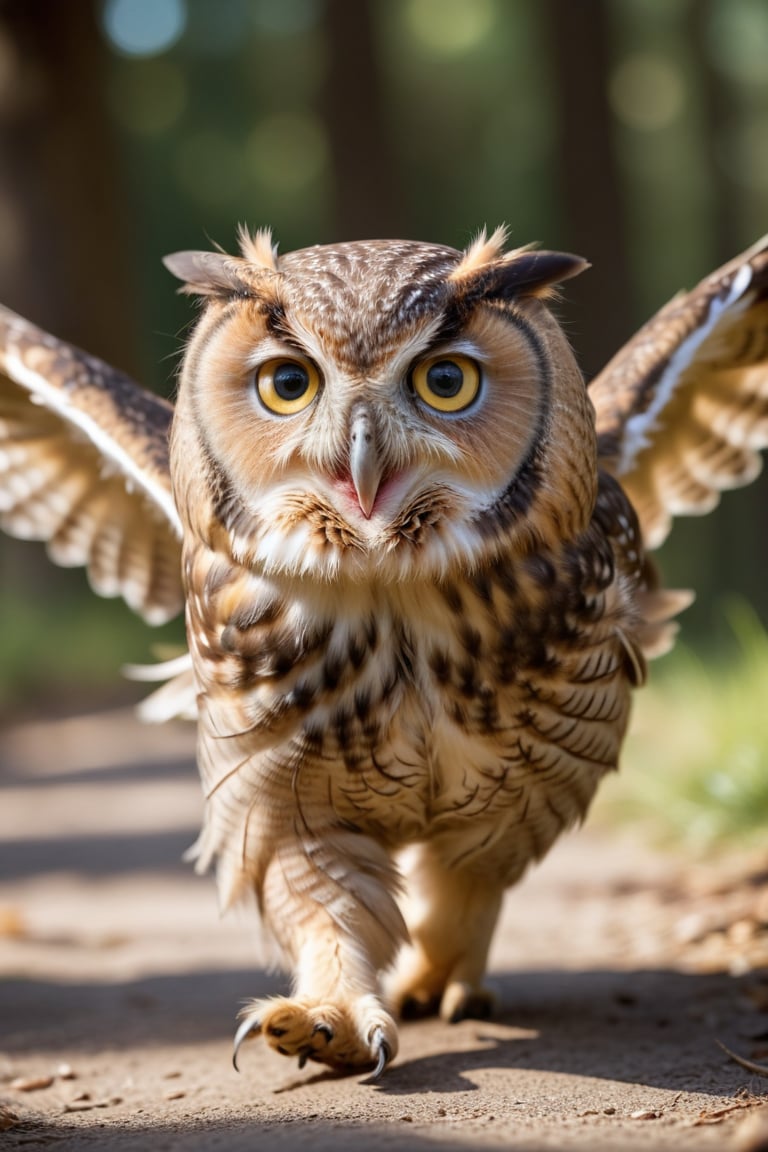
(682, 409)
(84, 466)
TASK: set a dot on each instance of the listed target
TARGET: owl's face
(378, 407)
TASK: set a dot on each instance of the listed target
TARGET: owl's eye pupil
(290, 380)
(286, 386)
(445, 378)
(446, 383)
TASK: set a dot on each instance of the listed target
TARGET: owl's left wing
(84, 467)
(682, 409)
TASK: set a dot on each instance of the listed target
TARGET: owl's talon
(248, 1027)
(383, 1058)
(357, 1035)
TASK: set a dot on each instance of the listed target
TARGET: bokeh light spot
(210, 169)
(450, 27)
(148, 97)
(218, 29)
(143, 27)
(287, 152)
(646, 92)
(737, 35)
(741, 152)
(285, 17)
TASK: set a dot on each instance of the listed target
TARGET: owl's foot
(462, 1001)
(357, 1035)
(457, 1001)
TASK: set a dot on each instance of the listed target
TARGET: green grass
(695, 766)
(68, 652)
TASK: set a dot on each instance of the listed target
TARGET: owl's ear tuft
(534, 272)
(209, 273)
(483, 250)
(258, 247)
(524, 272)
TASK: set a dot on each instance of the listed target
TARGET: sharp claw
(326, 1030)
(384, 1056)
(304, 1055)
(246, 1029)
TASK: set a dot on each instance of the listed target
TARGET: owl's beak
(364, 463)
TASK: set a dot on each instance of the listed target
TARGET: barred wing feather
(682, 409)
(84, 467)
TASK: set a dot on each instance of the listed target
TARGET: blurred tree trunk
(366, 199)
(592, 207)
(62, 259)
(718, 115)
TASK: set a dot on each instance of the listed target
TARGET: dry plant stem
(750, 1065)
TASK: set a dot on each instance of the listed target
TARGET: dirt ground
(617, 971)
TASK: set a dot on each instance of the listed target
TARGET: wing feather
(682, 409)
(84, 467)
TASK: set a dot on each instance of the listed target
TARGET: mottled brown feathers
(447, 665)
(418, 594)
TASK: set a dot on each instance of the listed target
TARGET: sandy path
(118, 973)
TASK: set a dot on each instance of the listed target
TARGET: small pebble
(31, 1083)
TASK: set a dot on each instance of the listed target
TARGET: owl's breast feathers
(405, 709)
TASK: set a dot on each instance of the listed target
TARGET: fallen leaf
(8, 1118)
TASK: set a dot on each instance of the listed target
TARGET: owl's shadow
(654, 1028)
(658, 1028)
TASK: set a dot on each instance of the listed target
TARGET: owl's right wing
(682, 409)
(84, 467)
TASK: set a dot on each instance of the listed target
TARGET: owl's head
(380, 407)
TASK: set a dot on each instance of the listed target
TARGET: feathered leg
(451, 913)
(328, 902)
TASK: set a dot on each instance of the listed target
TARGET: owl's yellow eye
(287, 386)
(446, 383)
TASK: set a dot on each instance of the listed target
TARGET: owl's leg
(329, 904)
(451, 914)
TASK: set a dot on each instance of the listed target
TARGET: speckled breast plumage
(477, 711)
(413, 555)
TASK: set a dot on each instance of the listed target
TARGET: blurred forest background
(634, 132)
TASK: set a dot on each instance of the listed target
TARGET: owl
(413, 552)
